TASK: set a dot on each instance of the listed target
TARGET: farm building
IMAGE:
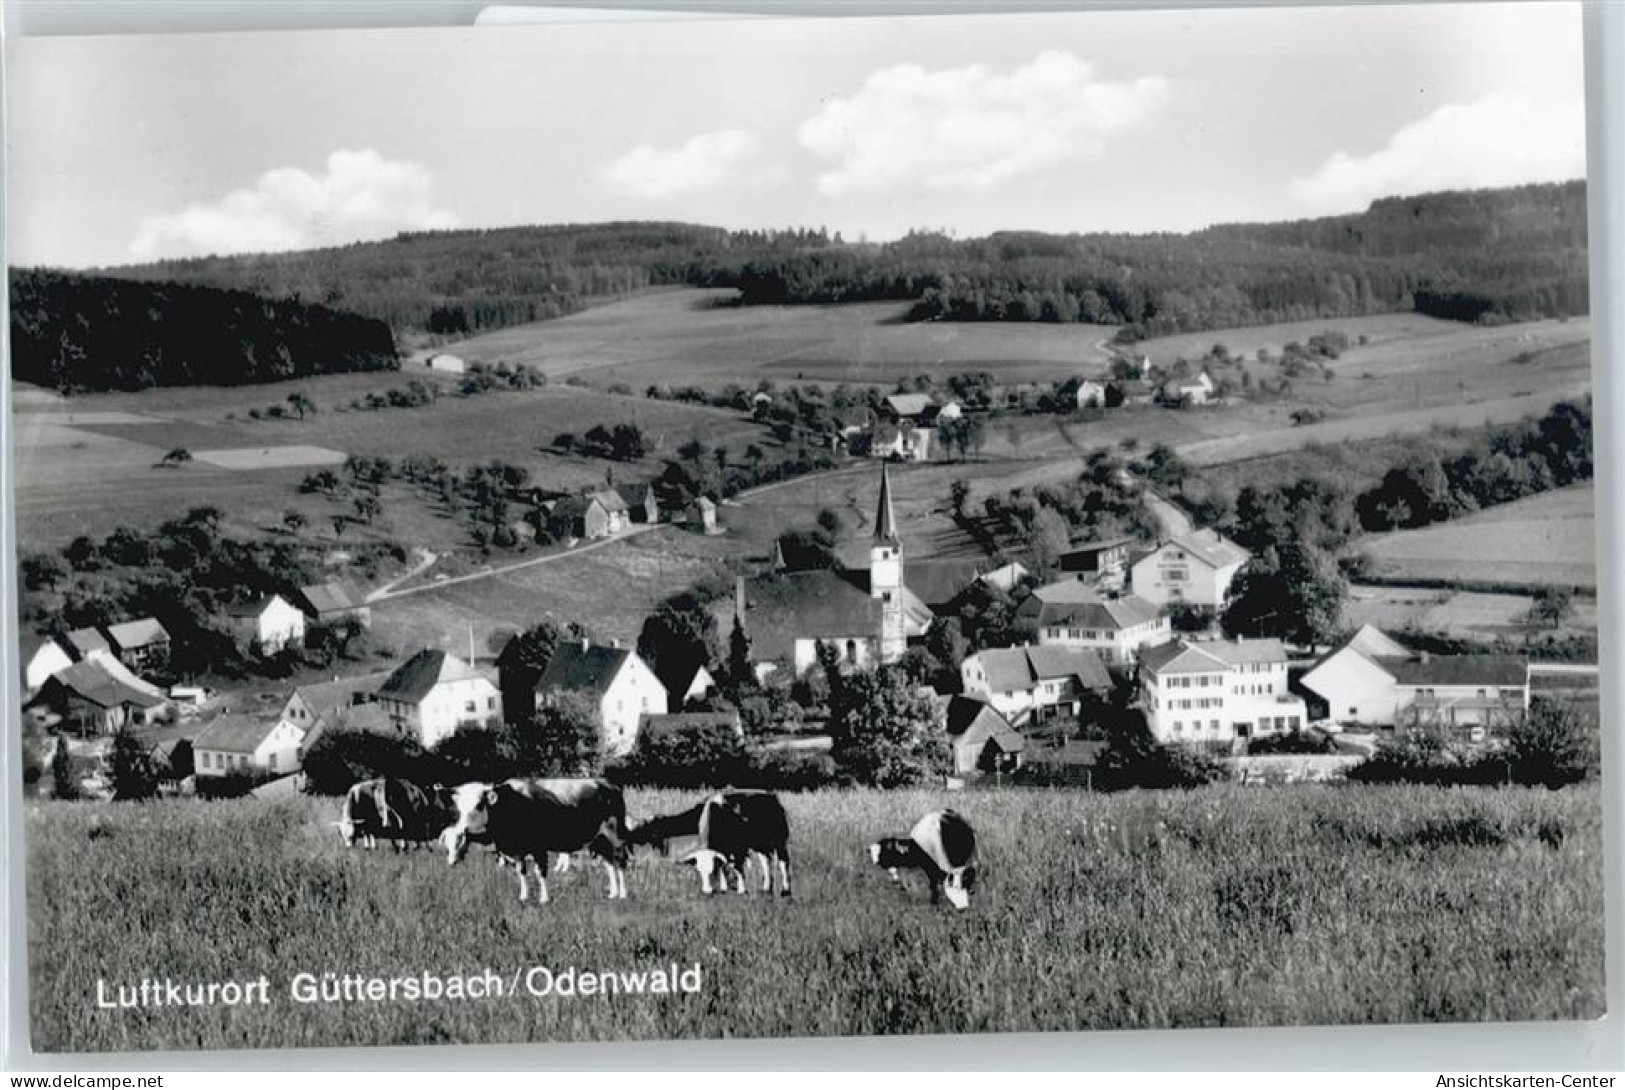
(903, 441)
(325, 702)
(445, 361)
(1196, 568)
(246, 744)
(702, 515)
(914, 407)
(617, 682)
(434, 692)
(1192, 391)
(982, 740)
(1372, 680)
(1031, 684)
(1007, 577)
(595, 515)
(1105, 560)
(98, 695)
(329, 602)
(141, 644)
(1218, 690)
(1086, 393)
(641, 504)
(1075, 614)
(267, 624)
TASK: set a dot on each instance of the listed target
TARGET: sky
(125, 149)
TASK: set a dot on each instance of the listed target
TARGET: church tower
(886, 575)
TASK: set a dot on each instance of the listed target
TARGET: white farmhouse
(244, 744)
(268, 624)
(1218, 690)
(1073, 613)
(1195, 567)
(445, 361)
(1372, 680)
(616, 681)
(434, 692)
(1034, 683)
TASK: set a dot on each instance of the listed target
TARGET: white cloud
(361, 197)
(971, 128)
(709, 161)
(1501, 139)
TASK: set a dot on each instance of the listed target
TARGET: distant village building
(903, 441)
(141, 644)
(325, 705)
(330, 602)
(445, 361)
(97, 695)
(981, 739)
(1192, 391)
(1105, 560)
(1075, 614)
(912, 407)
(615, 681)
(1218, 691)
(267, 625)
(53, 654)
(1196, 568)
(1372, 680)
(247, 745)
(1031, 684)
(1007, 577)
(702, 515)
(173, 763)
(434, 692)
(1087, 393)
(641, 504)
(597, 514)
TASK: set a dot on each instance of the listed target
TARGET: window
(491, 703)
(468, 706)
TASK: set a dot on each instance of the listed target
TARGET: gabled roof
(1209, 656)
(82, 641)
(677, 674)
(1021, 669)
(415, 678)
(908, 404)
(573, 507)
(611, 499)
(938, 582)
(326, 697)
(131, 635)
(576, 669)
(1497, 670)
(1088, 548)
(329, 597)
(1075, 602)
(637, 495)
(254, 607)
(974, 721)
(1211, 547)
(104, 681)
(1373, 643)
(234, 732)
(823, 604)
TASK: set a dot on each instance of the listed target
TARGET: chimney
(586, 645)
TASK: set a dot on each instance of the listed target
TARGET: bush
(1134, 758)
(790, 770)
(1554, 745)
(1308, 741)
(705, 753)
(339, 759)
(130, 768)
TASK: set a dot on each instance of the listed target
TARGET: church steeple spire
(885, 520)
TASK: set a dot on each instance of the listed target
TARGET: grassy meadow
(1310, 905)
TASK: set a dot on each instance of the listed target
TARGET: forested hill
(76, 332)
(1483, 255)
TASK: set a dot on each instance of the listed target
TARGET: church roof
(885, 518)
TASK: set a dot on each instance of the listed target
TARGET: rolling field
(1548, 539)
(1312, 905)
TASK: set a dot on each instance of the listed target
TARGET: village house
(330, 602)
(324, 703)
(911, 407)
(434, 692)
(903, 441)
(597, 514)
(641, 504)
(1006, 577)
(1105, 560)
(614, 680)
(445, 361)
(1374, 681)
(1032, 684)
(1087, 393)
(1196, 568)
(849, 428)
(53, 654)
(702, 515)
(1188, 391)
(141, 644)
(267, 625)
(1218, 691)
(98, 695)
(864, 616)
(981, 739)
(247, 745)
(1075, 614)
(173, 764)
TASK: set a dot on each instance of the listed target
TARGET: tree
(1551, 606)
(368, 507)
(885, 732)
(569, 737)
(680, 632)
(176, 456)
(131, 768)
(1048, 539)
(1552, 745)
(64, 784)
(1295, 593)
(301, 404)
(958, 494)
(740, 673)
(521, 664)
(294, 520)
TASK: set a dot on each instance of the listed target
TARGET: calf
(526, 821)
(399, 811)
(732, 827)
(942, 846)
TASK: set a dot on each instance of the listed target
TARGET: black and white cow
(526, 821)
(731, 827)
(942, 846)
(400, 811)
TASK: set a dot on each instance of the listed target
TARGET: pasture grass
(1306, 905)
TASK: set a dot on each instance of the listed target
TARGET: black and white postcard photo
(797, 527)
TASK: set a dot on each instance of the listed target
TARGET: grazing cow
(528, 820)
(942, 846)
(399, 811)
(732, 827)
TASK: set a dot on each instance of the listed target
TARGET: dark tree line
(74, 332)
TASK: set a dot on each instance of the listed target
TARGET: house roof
(572, 507)
(104, 681)
(325, 697)
(1089, 548)
(908, 404)
(938, 582)
(234, 732)
(612, 500)
(974, 721)
(1498, 670)
(1373, 643)
(576, 669)
(822, 604)
(1209, 656)
(1073, 601)
(253, 607)
(1020, 669)
(82, 641)
(130, 635)
(677, 674)
(1211, 547)
(417, 676)
(637, 495)
(329, 597)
